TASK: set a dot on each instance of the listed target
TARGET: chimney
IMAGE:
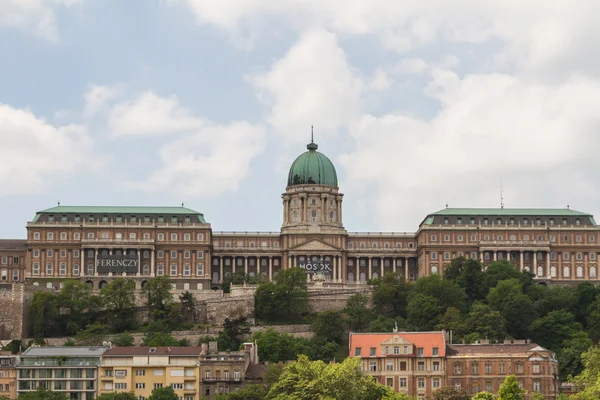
(212, 346)
(204, 348)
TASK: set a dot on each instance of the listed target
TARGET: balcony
(114, 241)
(515, 244)
(213, 379)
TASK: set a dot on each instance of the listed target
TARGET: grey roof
(64, 351)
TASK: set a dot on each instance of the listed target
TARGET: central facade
(97, 244)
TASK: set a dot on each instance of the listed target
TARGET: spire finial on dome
(312, 145)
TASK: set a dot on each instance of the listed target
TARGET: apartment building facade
(69, 370)
(8, 375)
(12, 260)
(418, 363)
(97, 244)
(143, 369)
(411, 363)
(484, 366)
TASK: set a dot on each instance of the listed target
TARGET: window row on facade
(160, 236)
(524, 237)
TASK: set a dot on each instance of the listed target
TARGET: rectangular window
(120, 386)
(200, 269)
(140, 385)
(177, 386)
(373, 366)
(435, 384)
(419, 352)
(389, 366)
(357, 352)
(372, 352)
(435, 351)
(436, 366)
(421, 366)
(403, 382)
(140, 372)
(420, 383)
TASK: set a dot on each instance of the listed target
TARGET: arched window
(540, 271)
(592, 272)
(146, 254)
(146, 269)
(363, 277)
(295, 216)
(314, 215)
(526, 269)
(375, 275)
(186, 286)
(332, 216)
(579, 272)
(566, 272)
(90, 253)
(434, 270)
(350, 277)
(90, 269)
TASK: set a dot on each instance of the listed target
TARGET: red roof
(425, 340)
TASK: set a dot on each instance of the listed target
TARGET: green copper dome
(312, 168)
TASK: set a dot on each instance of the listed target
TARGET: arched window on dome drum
(295, 216)
(314, 216)
(332, 216)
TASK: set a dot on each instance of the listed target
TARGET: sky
(419, 104)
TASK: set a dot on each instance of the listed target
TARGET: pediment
(315, 245)
(396, 340)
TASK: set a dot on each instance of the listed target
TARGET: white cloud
(490, 128)
(150, 114)
(210, 162)
(379, 81)
(96, 98)
(33, 151)
(35, 17)
(312, 84)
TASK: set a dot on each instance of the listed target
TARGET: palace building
(96, 244)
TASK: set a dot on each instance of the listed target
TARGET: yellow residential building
(142, 369)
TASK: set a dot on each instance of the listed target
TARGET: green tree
(510, 389)
(453, 321)
(569, 357)
(503, 270)
(447, 293)
(93, 334)
(123, 340)
(76, 297)
(159, 298)
(589, 379)
(330, 325)
(188, 305)
(309, 380)
(586, 294)
(485, 322)
(556, 298)
(483, 396)
(358, 313)
(164, 393)
(424, 312)
(453, 271)
(274, 346)
(159, 339)
(118, 298)
(471, 279)
(554, 329)
(117, 396)
(234, 331)
(285, 299)
(383, 324)
(516, 308)
(449, 393)
(42, 394)
(390, 296)
(43, 314)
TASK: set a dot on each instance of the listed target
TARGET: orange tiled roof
(426, 340)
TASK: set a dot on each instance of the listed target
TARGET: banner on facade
(117, 264)
(317, 266)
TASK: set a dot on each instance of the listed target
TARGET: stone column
(406, 269)
(521, 260)
(221, 268)
(495, 255)
(339, 210)
(381, 270)
(357, 280)
(246, 265)
(139, 254)
(394, 266)
(270, 268)
(547, 264)
(289, 263)
(82, 265)
(586, 272)
(370, 268)
(535, 263)
(286, 203)
(152, 263)
(323, 208)
(334, 272)
(96, 261)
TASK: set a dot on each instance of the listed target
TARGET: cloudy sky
(418, 104)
